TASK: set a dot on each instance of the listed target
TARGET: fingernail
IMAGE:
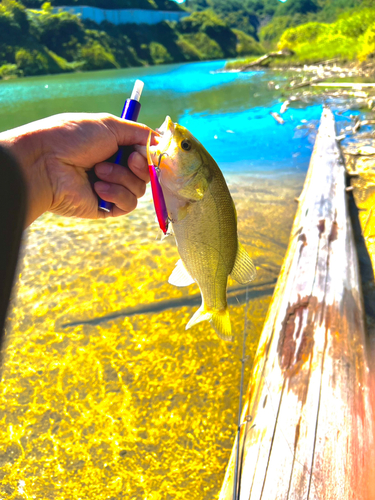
(104, 169)
(138, 161)
(103, 187)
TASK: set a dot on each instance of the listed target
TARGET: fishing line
(236, 486)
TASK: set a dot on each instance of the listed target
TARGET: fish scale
(208, 249)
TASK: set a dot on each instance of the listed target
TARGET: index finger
(128, 132)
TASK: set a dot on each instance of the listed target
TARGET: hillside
(252, 15)
(39, 42)
(35, 42)
(317, 30)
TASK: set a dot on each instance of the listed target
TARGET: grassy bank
(350, 39)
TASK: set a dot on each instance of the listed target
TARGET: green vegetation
(244, 15)
(313, 29)
(350, 38)
(35, 42)
(318, 30)
(38, 41)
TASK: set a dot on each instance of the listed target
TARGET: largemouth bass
(203, 216)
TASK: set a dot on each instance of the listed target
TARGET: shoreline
(321, 70)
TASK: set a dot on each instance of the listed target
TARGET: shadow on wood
(307, 427)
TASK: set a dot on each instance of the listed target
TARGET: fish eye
(186, 145)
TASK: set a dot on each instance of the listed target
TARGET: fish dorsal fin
(180, 276)
(243, 270)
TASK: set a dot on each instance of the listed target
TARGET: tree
(292, 7)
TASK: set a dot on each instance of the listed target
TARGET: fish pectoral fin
(180, 276)
(243, 270)
(195, 189)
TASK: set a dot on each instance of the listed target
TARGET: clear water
(228, 112)
(105, 395)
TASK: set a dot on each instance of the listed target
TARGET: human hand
(56, 153)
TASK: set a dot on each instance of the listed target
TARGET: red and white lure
(157, 192)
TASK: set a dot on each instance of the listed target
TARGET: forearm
(19, 142)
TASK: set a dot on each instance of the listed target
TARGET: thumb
(127, 132)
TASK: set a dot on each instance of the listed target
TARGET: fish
(203, 217)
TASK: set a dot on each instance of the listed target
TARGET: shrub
(368, 45)
(246, 44)
(94, 57)
(62, 63)
(190, 52)
(63, 33)
(13, 22)
(9, 71)
(208, 23)
(31, 62)
(159, 54)
(354, 24)
(205, 46)
(306, 33)
(270, 34)
(292, 7)
(199, 22)
(313, 42)
(17, 11)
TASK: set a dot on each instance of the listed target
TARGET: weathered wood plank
(263, 59)
(308, 421)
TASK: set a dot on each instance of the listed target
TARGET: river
(105, 395)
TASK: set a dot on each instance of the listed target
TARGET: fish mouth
(163, 141)
(167, 126)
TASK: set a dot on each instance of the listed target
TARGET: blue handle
(130, 112)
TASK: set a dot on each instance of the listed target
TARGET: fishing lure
(157, 193)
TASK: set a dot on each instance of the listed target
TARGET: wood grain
(308, 422)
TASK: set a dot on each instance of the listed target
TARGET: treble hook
(159, 160)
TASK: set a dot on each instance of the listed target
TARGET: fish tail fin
(219, 320)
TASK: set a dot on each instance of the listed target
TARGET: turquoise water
(228, 112)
